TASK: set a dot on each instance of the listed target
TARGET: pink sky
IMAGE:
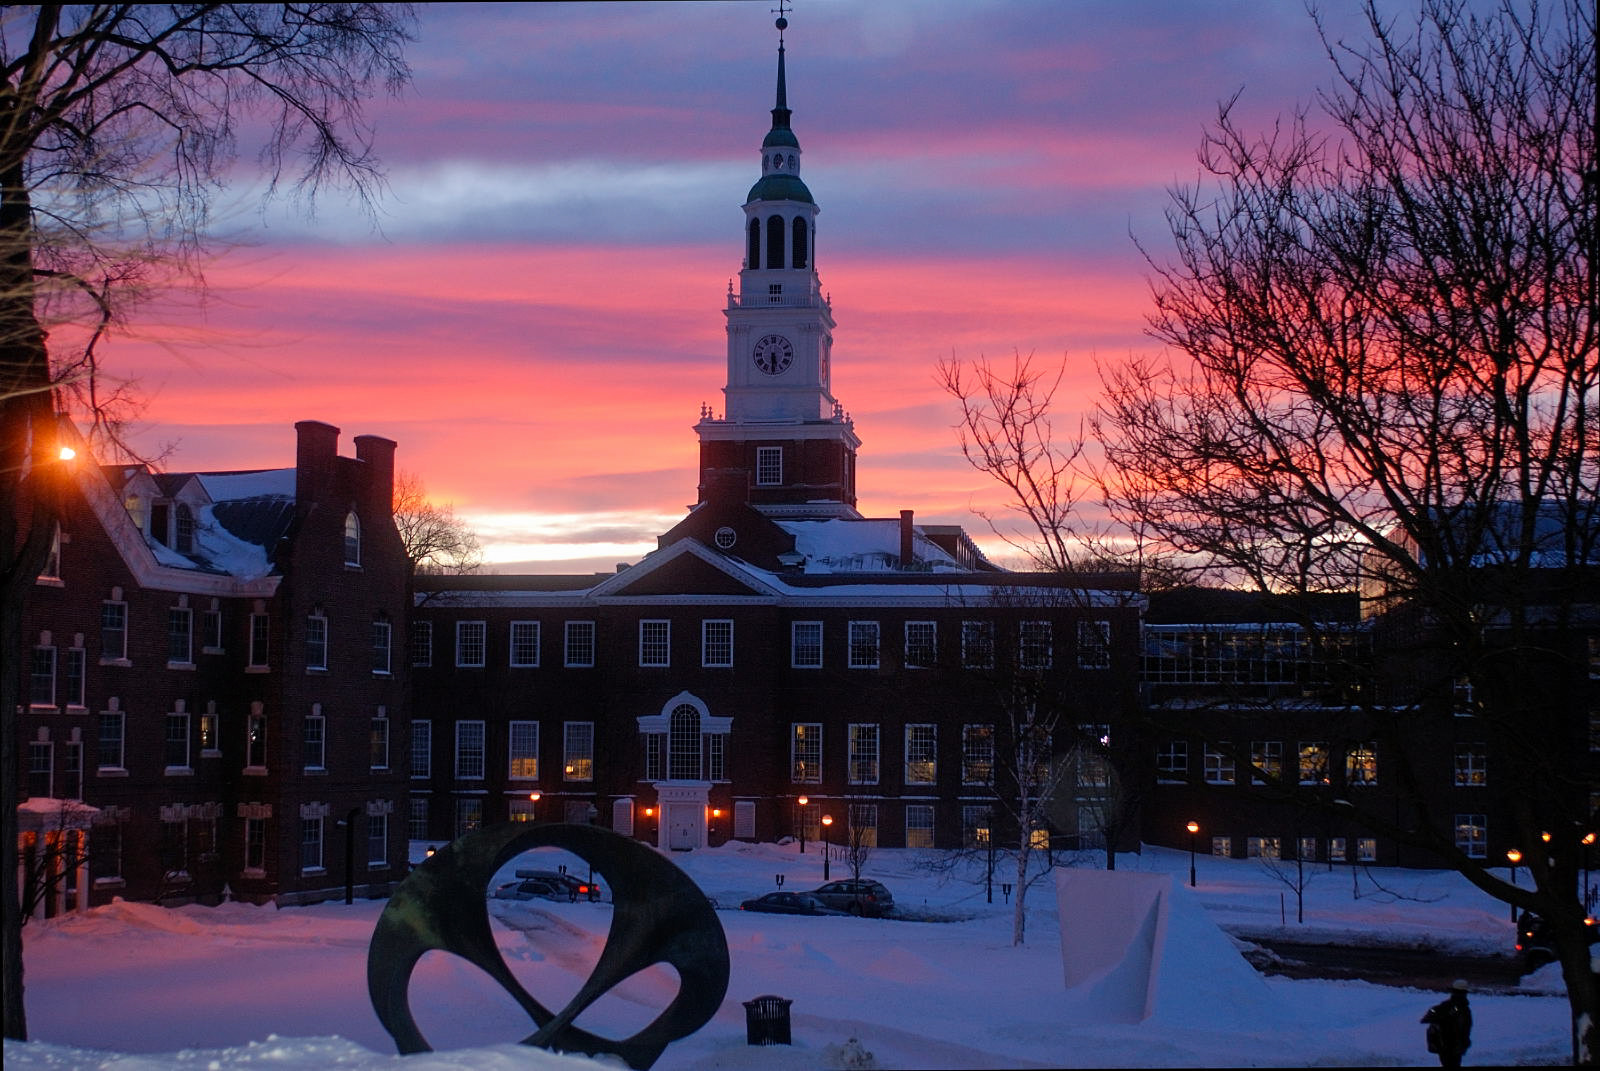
(537, 317)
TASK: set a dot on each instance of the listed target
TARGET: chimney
(907, 557)
(378, 453)
(316, 453)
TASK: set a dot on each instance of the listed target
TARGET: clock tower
(784, 444)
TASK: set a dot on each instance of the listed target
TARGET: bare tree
(436, 540)
(117, 123)
(1385, 309)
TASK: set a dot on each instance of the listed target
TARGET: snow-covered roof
(263, 483)
(868, 545)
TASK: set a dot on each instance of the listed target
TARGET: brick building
(209, 675)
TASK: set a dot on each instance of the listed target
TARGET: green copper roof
(780, 188)
(782, 137)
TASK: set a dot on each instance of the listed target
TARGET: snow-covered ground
(135, 987)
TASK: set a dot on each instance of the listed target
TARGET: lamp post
(1588, 845)
(1193, 827)
(827, 822)
(801, 803)
(1513, 856)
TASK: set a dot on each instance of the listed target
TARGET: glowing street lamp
(1514, 857)
(1193, 827)
(801, 802)
(827, 823)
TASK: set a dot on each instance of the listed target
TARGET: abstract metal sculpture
(659, 916)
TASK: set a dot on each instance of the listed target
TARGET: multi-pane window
(716, 643)
(176, 742)
(1266, 756)
(1472, 835)
(108, 752)
(1219, 764)
(77, 660)
(683, 743)
(1222, 847)
(579, 643)
(1472, 765)
(422, 643)
(977, 644)
(921, 755)
(469, 816)
(577, 763)
(1172, 761)
(1263, 847)
(255, 742)
(716, 756)
(471, 637)
(922, 644)
(863, 645)
(352, 539)
(260, 635)
(1367, 849)
(525, 644)
(211, 630)
(1313, 762)
(863, 754)
(977, 754)
(469, 750)
(523, 747)
(1336, 849)
(377, 840)
(380, 647)
(805, 644)
(863, 827)
(655, 755)
(310, 844)
(655, 642)
(210, 741)
(42, 677)
(180, 635)
(1361, 764)
(417, 819)
(1033, 645)
(1307, 849)
(769, 466)
(805, 752)
(421, 748)
(183, 529)
(316, 642)
(975, 823)
(41, 769)
(919, 825)
(314, 741)
(113, 631)
(378, 744)
(1094, 644)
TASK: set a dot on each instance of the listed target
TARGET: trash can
(766, 1020)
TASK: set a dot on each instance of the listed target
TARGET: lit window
(577, 763)
(469, 816)
(805, 644)
(975, 820)
(524, 751)
(1367, 849)
(863, 827)
(1361, 765)
(1266, 756)
(977, 754)
(1472, 835)
(1222, 847)
(921, 755)
(210, 743)
(919, 825)
(1472, 765)
(863, 754)
(1263, 848)
(1313, 762)
(805, 753)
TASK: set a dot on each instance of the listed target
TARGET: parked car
(1533, 940)
(576, 887)
(788, 903)
(532, 889)
(857, 896)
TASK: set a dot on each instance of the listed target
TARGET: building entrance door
(683, 822)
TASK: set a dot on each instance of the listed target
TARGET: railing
(776, 301)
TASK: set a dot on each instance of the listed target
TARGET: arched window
(752, 257)
(799, 243)
(352, 539)
(683, 744)
(774, 241)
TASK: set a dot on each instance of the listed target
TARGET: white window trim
(794, 645)
(511, 637)
(706, 660)
(647, 625)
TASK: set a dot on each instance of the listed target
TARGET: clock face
(773, 354)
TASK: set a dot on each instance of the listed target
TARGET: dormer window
(183, 530)
(352, 539)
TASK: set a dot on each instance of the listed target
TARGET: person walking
(1450, 1026)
